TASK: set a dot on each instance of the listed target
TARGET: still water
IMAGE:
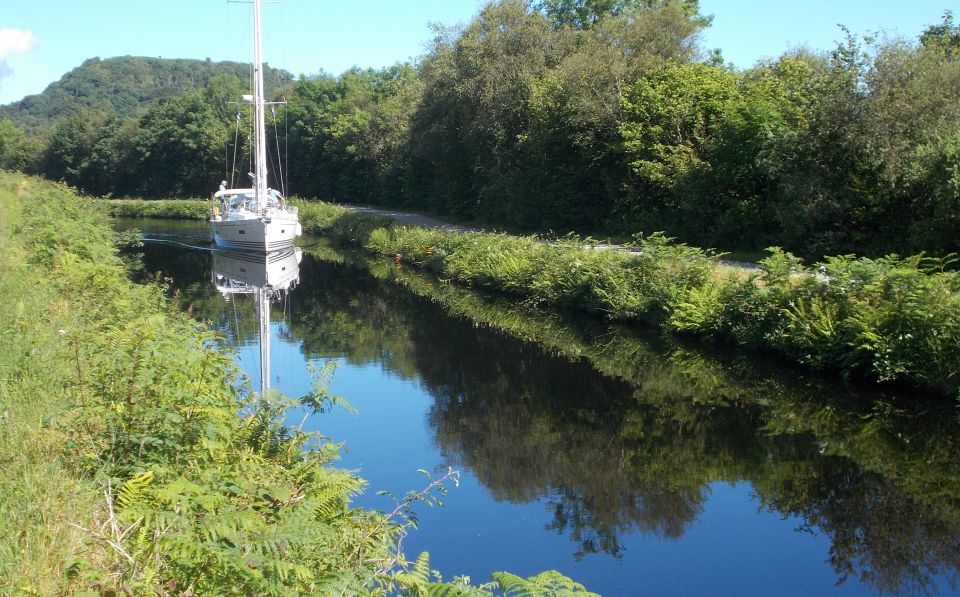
(634, 463)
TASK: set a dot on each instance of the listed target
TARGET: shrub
(496, 261)
(411, 244)
(573, 277)
(175, 209)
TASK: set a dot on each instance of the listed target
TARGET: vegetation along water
(136, 460)
(889, 319)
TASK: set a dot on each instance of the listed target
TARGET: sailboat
(256, 218)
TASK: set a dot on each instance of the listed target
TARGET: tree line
(594, 116)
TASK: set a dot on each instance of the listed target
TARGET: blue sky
(40, 40)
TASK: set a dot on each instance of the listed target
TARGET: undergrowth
(176, 209)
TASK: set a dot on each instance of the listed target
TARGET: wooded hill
(595, 116)
(122, 86)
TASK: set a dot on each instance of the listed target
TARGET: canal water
(635, 463)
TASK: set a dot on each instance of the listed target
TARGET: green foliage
(348, 134)
(411, 244)
(495, 261)
(179, 149)
(175, 209)
(421, 581)
(944, 37)
(201, 498)
(584, 14)
(16, 152)
(541, 585)
(669, 120)
(890, 318)
(320, 400)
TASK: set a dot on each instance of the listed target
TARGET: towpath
(411, 218)
(430, 222)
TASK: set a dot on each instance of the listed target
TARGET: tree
(584, 14)
(944, 38)
(179, 148)
(16, 152)
(469, 129)
(70, 145)
(111, 167)
(671, 120)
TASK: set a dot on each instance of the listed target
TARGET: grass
(126, 465)
(44, 502)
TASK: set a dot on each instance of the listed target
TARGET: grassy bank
(889, 319)
(132, 460)
(127, 465)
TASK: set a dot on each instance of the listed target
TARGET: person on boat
(223, 197)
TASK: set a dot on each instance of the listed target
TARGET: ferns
(133, 490)
(419, 580)
(550, 583)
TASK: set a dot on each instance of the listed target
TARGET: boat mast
(260, 134)
(263, 307)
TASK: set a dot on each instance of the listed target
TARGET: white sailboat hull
(261, 234)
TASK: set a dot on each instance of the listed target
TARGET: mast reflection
(264, 276)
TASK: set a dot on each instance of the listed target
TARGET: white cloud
(16, 41)
(13, 42)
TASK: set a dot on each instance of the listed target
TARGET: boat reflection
(264, 276)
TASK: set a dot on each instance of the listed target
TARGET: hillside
(122, 85)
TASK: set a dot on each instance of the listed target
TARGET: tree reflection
(879, 533)
(620, 431)
(635, 449)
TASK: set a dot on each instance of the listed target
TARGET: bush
(175, 209)
(495, 261)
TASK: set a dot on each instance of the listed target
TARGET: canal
(633, 462)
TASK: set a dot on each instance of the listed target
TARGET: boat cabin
(233, 200)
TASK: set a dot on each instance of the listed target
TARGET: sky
(40, 40)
